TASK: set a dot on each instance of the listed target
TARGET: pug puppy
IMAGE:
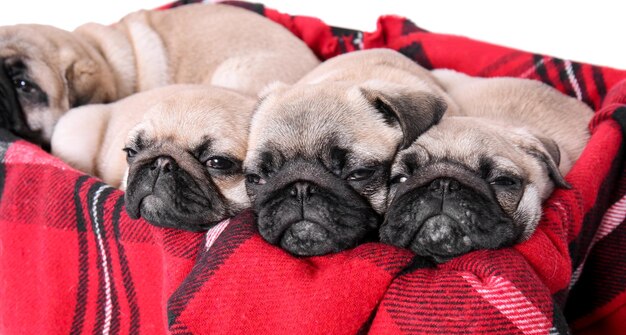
(53, 70)
(320, 151)
(477, 179)
(183, 147)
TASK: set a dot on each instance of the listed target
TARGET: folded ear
(81, 83)
(552, 148)
(550, 155)
(414, 111)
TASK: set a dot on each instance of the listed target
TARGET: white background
(585, 31)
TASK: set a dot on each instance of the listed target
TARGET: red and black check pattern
(71, 261)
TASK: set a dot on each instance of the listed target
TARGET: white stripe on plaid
(572, 79)
(512, 303)
(214, 233)
(108, 307)
(532, 69)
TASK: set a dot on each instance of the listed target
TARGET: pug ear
(414, 111)
(80, 82)
(552, 148)
(551, 157)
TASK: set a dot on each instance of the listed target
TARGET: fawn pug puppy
(53, 70)
(477, 179)
(320, 151)
(184, 147)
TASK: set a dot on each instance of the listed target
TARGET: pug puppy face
(51, 71)
(469, 184)
(319, 159)
(185, 159)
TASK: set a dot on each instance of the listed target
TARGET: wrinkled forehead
(32, 39)
(191, 123)
(308, 121)
(470, 141)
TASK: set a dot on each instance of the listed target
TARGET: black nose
(444, 185)
(163, 164)
(301, 189)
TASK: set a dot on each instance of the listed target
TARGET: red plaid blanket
(71, 261)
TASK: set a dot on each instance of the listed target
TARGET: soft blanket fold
(71, 261)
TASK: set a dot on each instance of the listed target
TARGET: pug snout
(306, 238)
(300, 202)
(444, 217)
(302, 190)
(308, 211)
(163, 164)
(306, 230)
(443, 236)
(159, 169)
(444, 185)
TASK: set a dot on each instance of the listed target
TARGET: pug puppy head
(185, 159)
(51, 72)
(469, 184)
(319, 159)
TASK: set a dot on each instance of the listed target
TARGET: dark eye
(505, 181)
(24, 86)
(401, 178)
(360, 174)
(255, 179)
(130, 152)
(220, 163)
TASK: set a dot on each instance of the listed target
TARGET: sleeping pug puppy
(53, 70)
(183, 150)
(477, 180)
(320, 151)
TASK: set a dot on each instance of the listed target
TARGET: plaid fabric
(71, 261)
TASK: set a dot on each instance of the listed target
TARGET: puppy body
(185, 145)
(320, 150)
(478, 178)
(55, 70)
(379, 68)
(526, 104)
